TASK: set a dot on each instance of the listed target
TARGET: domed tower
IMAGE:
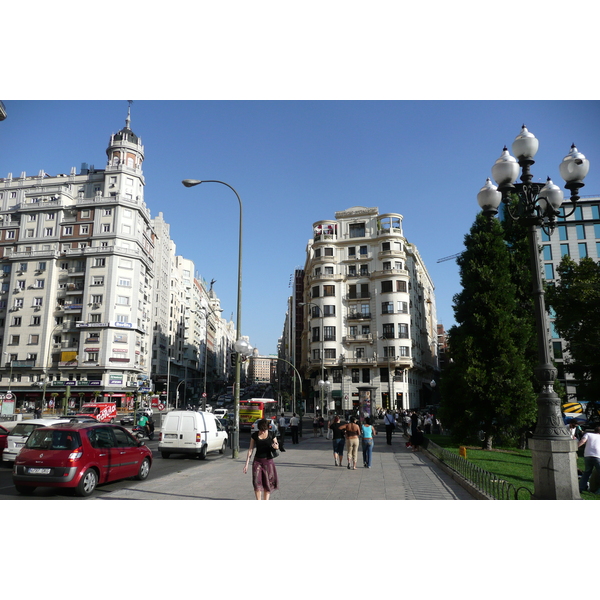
(123, 174)
(125, 148)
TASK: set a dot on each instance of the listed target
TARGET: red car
(79, 456)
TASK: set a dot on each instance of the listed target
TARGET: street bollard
(462, 450)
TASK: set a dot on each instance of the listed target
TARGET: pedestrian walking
(282, 426)
(294, 424)
(315, 426)
(352, 431)
(591, 458)
(390, 425)
(338, 440)
(414, 422)
(321, 426)
(264, 473)
(368, 433)
(417, 439)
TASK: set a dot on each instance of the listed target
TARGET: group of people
(350, 433)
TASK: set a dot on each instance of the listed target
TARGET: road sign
(161, 407)
(204, 394)
(8, 396)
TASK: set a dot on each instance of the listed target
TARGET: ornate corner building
(369, 315)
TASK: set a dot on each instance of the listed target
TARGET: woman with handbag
(264, 473)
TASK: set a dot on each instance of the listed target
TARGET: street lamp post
(554, 453)
(322, 333)
(238, 358)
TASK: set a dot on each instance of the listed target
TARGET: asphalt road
(160, 467)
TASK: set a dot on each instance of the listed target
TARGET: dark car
(79, 456)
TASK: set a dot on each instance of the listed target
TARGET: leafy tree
(487, 386)
(575, 300)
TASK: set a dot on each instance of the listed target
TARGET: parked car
(5, 429)
(79, 456)
(190, 432)
(21, 431)
(220, 413)
(80, 419)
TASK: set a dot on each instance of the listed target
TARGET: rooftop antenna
(128, 119)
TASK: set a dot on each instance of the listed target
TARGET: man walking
(281, 432)
(390, 425)
(294, 422)
(591, 457)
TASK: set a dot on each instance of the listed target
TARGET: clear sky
(296, 162)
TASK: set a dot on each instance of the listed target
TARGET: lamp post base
(554, 469)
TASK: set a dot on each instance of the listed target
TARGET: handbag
(274, 452)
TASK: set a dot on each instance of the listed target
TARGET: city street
(306, 472)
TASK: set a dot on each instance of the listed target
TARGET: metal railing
(484, 481)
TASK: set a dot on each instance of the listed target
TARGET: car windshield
(24, 429)
(53, 439)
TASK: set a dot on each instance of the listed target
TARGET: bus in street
(256, 408)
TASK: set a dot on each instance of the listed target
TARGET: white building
(77, 264)
(369, 312)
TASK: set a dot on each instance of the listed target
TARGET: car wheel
(165, 454)
(87, 484)
(223, 447)
(25, 490)
(202, 454)
(144, 470)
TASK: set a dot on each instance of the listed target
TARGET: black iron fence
(485, 482)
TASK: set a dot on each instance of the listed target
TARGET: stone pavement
(306, 472)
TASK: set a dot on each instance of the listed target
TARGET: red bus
(256, 408)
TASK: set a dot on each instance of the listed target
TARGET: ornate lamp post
(238, 360)
(554, 453)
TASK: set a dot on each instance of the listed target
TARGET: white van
(190, 432)
(21, 432)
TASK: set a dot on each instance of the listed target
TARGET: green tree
(487, 385)
(575, 302)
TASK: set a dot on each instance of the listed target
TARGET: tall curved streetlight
(238, 358)
(553, 452)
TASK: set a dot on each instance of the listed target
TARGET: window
(363, 250)
(329, 310)
(50, 217)
(388, 331)
(316, 334)
(41, 266)
(403, 330)
(562, 233)
(92, 356)
(404, 351)
(39, 284)
(107, 212)
(48, 231)
(356, 230)
(34, 339)
(317, 252)
(29, 233)
(10, 234)
(95, 317)
(387, 308)
(387, 266)
(582, 250)
(68, 230)
(403, 307)
(564, 250)
(316, 354)
(123, 300)
(355, 376)
(329, 352)
(99, 262)
(366, 375)
(328, 251)
(359, 352)
(549, 271)
(328, 270)
(84, 229)
(389, 351)
(106, 228)
(547, 253)
(329, 334)
(98, 280)
(386, 286)
(401, 286)
(38, 301)
(580, 232)
(14, 340)
(124, 282)
(336, 375)
(352, 271)
(365, 310)
(21, 284)
(36, 320)
(16, 321)
(557, 349)
(96, 298)
(18, 303)
(329, 290)
(351, 252)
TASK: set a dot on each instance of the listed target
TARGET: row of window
(364, 375)
(573, 232)
(362, 290)
(363, 251)
(582, 248)
(390, 352)
(389, 332)
(387, 308)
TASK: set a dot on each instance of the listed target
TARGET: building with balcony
(369, 317)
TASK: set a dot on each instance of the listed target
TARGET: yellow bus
(256, 408)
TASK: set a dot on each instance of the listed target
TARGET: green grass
(510, 464)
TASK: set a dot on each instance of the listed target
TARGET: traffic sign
(161, 407)
(204, 394)
(8, 396)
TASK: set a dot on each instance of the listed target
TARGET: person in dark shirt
(264, 473)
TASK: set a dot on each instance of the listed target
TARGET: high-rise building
(370, 338)
(77, 267)
(577, 236)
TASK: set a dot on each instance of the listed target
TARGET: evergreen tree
(575, 300)
(487, 385)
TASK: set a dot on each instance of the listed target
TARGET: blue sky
(296, 162)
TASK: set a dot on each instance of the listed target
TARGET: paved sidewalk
(306, 472)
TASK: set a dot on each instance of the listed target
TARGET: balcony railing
(358, 316)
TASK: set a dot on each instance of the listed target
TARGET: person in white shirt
(591, 457)
(294, 424)
(282, 426)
